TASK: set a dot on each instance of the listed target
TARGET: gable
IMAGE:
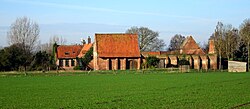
(117, 45)
(189, 46)
(85, 49)
(189, 43)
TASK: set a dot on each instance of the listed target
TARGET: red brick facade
(67, 55)
(190, 50)
(116, 52)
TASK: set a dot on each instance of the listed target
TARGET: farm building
(67, 55)
(116, 52)
(189, 50)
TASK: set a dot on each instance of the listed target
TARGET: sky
(76, 19)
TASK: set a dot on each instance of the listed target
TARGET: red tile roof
(117, 45)
(68, 51)
(151, 53)
(85, 48)
(189, 46)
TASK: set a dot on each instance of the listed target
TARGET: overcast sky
(76, 19)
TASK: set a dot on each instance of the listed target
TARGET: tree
(152, 61)
(25, 32)
(84, 61)
(204, 46)
(231, 38)
(148, 39)
(241, 53)
(175, 42)
(12, 57)
(218, 39)
(41, 61)
(58, 40)
(245, 35)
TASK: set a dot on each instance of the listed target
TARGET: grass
(126, 90)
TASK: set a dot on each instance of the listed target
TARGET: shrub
(183, 62)
(152, 61)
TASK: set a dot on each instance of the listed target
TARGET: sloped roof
(151, 53)
(189, 43)
(189, 46)
(85, 48)
(68, 51)
(117, 45)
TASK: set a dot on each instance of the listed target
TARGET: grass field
(158, 90)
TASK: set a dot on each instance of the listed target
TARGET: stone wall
(236, 66)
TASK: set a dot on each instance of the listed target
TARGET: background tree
(152, 61)
(148, 39)
(241, 53)
(231, 38)
(204, 46)
(12, 57)
(176, 42)
(218, 40)
(40, 61)
(245, 36)
(25, 33)
(58, 39)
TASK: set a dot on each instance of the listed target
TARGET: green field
(158, 90)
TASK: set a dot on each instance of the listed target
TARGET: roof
(117, 45)
(84, 50)
(68, 51)
(151, 53)
(189, 46)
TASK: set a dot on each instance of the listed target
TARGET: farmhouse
(67, 55)
(189, 50)
(116, 52)
(121, 52)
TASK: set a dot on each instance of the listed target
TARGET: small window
(66, 53)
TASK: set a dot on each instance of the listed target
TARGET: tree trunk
(220, 60)
(248, 53)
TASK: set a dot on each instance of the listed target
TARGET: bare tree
(148, 39)
(24, 31)
(231, 38)
(204, 46)
(218, 39)
(59, 40)
(245, 36)
(175, 42)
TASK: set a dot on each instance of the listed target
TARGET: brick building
(189, 50)
(116, 52)
(67, 55)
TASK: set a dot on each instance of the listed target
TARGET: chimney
(89, 40)
(211, 49)
(83, 41)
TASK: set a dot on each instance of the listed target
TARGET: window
(66, 53)
(72, 62)
(60, 62)
(67, 62)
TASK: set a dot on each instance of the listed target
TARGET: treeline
(232, 43)
(26, 53)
